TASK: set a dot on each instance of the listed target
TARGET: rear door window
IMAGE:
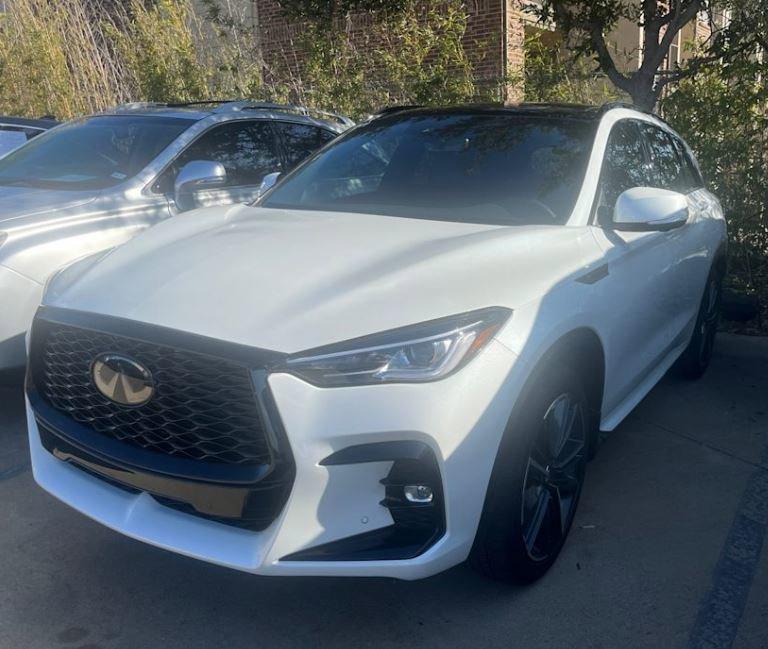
(666, 170)
(301, 141)
(690, 170)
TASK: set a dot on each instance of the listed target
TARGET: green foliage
(51, 60)
(586, 25)
(723, 114)
(413, 56)
(553, 74)
(73, 56)
(158, 48)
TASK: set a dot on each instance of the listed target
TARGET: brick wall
(494, 52)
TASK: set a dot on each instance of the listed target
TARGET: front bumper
(460, 419)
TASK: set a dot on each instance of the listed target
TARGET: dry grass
(71, 57)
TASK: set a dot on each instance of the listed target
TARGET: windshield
(481, 168)
(92, 153)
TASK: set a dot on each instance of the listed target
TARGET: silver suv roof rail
(232, 105)
(228, 106)
(137, 105)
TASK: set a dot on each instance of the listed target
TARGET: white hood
(292, 280)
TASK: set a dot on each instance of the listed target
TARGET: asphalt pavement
(667, 551)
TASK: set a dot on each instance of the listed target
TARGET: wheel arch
(582, 350)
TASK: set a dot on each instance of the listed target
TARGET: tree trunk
(643, 92)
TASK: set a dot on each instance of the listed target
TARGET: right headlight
(414, 354)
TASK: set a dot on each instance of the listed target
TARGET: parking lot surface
(666, 551)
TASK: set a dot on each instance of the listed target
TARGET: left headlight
(414, 354)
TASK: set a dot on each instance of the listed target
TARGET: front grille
(204, 408)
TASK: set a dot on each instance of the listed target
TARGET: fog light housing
(413, 494)
(419, 493)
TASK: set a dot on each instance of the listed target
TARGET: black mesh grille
(204, 408)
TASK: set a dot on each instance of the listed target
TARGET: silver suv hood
(18, 202)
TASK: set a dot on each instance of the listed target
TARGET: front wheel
(536, 482)
(694, 361)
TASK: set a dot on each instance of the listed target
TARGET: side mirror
(268, 182)
(195, 176)
(647, 209)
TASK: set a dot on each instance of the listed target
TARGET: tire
(533, 492)
(695, 359)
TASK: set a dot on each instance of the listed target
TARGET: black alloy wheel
(537, 478)
(553, 478)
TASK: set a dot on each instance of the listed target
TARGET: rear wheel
(695, 360)
(536, 482)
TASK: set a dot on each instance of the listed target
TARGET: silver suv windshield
(91, 153)
(498, 168)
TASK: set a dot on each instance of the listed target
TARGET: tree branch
(605, 59)
(654, 57)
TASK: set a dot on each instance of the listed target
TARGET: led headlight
(424, 352)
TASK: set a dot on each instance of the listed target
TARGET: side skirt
(617, 415)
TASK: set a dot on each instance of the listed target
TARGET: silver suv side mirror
(268, 182)
(195, 176)
(648, 209)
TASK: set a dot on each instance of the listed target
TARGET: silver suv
(90, 184)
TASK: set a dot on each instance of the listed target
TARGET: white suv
(399, 359)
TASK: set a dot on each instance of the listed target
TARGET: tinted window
(624, 166)
(246, 149)
(92, 153)
(691, 173)
(666, 170)
(487, 168)
(301, 141)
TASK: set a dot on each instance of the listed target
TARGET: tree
(585, 25)
(744, 39)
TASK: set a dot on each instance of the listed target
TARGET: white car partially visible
(399, 359)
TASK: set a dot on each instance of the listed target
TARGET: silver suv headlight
(414, 354)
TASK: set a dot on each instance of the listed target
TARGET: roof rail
(138, 105)
(389, 110)
(227, 105)
(246, 104)
(551, 104)
(208, 102)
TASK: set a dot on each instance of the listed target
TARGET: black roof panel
(580, 111)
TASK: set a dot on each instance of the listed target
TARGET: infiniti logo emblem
(122, 379)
